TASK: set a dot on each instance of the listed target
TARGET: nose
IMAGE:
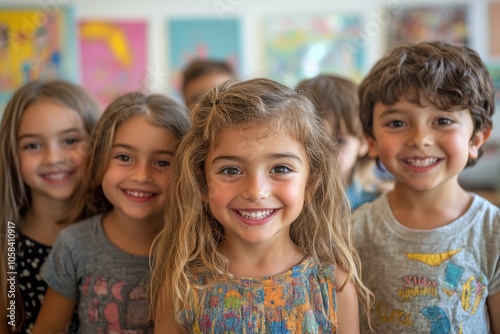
(141, 173)
(257, 187)
(421, 136)
(54, 154)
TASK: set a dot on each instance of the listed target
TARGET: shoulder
(483, 205)
(482, 209)
(81, 230)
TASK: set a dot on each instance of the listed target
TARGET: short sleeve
(59, 269)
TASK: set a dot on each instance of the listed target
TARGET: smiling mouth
(56, 176)
(421, 162)
(140, 194)
(255, 215)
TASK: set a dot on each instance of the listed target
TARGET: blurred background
(114, 46)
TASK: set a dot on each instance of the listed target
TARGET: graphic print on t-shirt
(115, 307)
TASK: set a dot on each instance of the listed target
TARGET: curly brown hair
(449, 77)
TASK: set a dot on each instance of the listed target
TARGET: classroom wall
(252, 14)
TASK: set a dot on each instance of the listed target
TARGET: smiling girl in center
(256, 238)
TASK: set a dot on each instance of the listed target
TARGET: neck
(272, 258)
(133, 236)
(41, 221)
(428, 209)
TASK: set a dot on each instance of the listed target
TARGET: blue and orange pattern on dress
(300, 300)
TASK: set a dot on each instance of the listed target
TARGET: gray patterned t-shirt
(430, 281)
(109, 284)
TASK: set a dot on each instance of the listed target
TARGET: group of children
(243, 216)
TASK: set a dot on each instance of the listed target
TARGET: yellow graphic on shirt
(387, 314)
(472, 293)
(432, 259)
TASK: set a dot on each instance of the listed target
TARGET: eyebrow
(272, 156)
(67, 131)
(132, 148)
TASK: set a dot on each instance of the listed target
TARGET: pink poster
(113, 58)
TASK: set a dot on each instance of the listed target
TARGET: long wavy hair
(191, 237)
(15, 195)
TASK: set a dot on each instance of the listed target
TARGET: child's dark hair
(449, 77)
(200, 67)
(336, 101)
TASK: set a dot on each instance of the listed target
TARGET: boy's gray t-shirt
(110, 285)
(430, 281)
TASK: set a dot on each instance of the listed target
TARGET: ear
(363, 147)
(372, 146)
(477, 141)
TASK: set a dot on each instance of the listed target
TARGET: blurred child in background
(337, 104)
(99, 266)
(44, 138)
(201, 75)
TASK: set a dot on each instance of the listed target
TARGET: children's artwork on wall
(202, 38)
(416, 24)
(113, 57)
(494, 29)
(302, 47)
(35, 43)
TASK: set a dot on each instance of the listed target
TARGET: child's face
(51, 146)
(351, 148)
(256, 183)
(423, 147)
(199, 86)
(136, 179)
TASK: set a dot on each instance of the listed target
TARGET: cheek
(77, 157)
(348, 156)
(27, 165)
(219, 193)
(108, 181)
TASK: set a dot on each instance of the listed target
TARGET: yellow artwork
(36, 43)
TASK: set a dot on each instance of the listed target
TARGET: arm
(165, 319)
(494, 310)
(55, 314)
(347, 304)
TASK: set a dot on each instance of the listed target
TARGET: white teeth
(255, 215)
(56, 176)
(138, 193)
(421, 162)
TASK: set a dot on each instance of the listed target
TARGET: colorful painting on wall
(297, 48)
(494, 29)
(35, 43)
(113, 57)
(415, 24)
(202, 38)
